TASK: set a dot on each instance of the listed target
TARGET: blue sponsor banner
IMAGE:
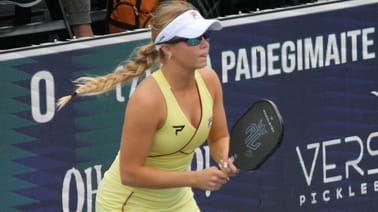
(318, 64)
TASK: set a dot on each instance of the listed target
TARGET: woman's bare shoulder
(208, 74)
(147, 103)
(147, 92)
(210, 78)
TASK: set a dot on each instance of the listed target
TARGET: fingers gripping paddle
(256, 135)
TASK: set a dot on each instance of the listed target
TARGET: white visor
(190, 24)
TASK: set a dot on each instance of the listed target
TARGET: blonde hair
(145, 57)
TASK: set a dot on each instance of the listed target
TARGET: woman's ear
(167, 51)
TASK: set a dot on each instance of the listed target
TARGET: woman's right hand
(211, 179)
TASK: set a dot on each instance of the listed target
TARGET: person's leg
(79, 16)
(82, 30)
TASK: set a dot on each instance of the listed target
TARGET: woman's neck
(179, 78)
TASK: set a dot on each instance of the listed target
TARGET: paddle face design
(256, 135)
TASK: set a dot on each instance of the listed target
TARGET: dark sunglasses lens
(196, 41)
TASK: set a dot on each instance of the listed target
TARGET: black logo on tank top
(178, 128)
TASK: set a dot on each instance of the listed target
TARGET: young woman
(169, 115)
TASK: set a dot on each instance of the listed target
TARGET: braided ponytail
(145, 57)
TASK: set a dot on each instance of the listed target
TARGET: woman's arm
(219, 137)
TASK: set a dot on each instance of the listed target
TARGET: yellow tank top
(173, 149)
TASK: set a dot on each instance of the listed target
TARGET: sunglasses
(189, 41)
